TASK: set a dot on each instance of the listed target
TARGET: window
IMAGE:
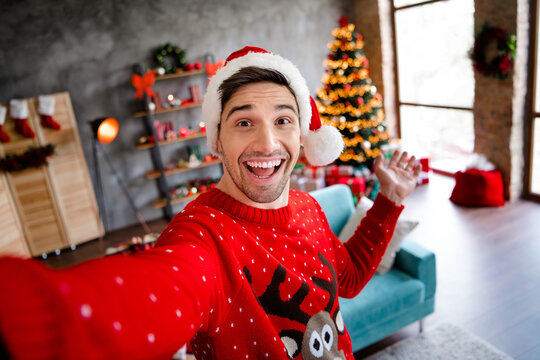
(532, 182)
(435, 80)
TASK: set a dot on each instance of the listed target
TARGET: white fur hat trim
(18, 109)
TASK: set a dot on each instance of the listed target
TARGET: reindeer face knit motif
(320, 337)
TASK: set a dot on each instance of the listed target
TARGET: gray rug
(444, 342)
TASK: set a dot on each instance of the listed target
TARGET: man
(249, 270)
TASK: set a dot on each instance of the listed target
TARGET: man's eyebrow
(287, 106)
(238, 108)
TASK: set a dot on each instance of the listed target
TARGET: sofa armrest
(419, 262)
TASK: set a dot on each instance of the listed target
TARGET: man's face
(259, 140)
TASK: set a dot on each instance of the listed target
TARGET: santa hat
(322, 144)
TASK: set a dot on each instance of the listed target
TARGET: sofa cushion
(383, 297)
(403, 228)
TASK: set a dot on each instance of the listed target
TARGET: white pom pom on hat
(322, 144)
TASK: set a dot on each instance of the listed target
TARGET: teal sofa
(390, 301)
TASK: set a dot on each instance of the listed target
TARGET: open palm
(398, 177)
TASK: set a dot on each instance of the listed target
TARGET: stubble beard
(260, 194)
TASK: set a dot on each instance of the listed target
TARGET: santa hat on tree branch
(322, 144)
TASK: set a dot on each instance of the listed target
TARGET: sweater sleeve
(359, 257)
(145, 305)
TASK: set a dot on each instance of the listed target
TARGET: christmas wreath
(500, 64)
(170, 57)
(32, 157)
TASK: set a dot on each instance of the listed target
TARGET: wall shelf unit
(154, 174)
(160, 172)
(196, 135)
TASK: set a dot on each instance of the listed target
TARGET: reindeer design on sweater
(320, 338)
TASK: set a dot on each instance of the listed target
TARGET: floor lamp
(104, 131)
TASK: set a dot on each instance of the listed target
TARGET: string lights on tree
(349, 101)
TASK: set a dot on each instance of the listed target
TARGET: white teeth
(265, 164)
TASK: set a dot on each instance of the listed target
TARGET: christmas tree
(349, 101)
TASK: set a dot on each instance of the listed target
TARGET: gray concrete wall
(89, 47)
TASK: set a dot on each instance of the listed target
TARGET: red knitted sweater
(239, 282)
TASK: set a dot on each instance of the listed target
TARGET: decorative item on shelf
(202, 127)
(46, 111)
(4, 137)
(196, 95)
(157, 100)
(194, 156)
(170, 58)
(18, 110)
(193, 187)
(143, 84)
(33, 157)
(211, 67)
(146, 140)
(173, 101)
(160, 130)
(183, 132)
(493, 51)
(104, 131)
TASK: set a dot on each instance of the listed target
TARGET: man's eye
(283, 121)
(242, 123)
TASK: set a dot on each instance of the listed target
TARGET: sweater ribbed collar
(219, 200)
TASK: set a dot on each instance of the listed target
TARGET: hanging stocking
(18, 109)
(46, 110)
(4, 137)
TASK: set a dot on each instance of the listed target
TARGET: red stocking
(21, 126)
(4, 137)
(46, 110)
(48, 121)
(18, 110)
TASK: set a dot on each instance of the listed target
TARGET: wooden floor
(488, 267)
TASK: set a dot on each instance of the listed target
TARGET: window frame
(399, 103)
(531, 114)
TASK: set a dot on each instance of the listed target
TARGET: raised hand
(398, 177)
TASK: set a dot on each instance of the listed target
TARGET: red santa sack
(476, 187)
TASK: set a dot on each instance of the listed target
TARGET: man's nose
(267, 140)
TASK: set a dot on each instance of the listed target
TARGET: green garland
(170, 57)
(500, 65)
(32, 157)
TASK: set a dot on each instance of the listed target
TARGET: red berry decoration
(198, 65)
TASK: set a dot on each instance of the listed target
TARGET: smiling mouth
(264, 169)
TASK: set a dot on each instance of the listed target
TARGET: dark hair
(250, 75)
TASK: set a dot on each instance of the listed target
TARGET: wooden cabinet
(50, 207)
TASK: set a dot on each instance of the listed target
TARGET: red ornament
(343, 21)
(360, 101)
(359, 37)
(330, 56)
(198, 65)
(347, 87)
(183, 132)
(189, 67)
(345, 57)
(343, 42)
